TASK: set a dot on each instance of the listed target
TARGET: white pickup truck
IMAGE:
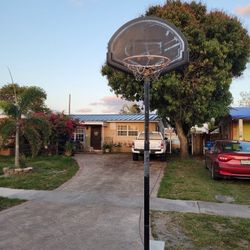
(157, 145)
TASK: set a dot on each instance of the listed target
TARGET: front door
(96, 137)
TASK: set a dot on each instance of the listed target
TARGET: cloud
(243, 10)
(112, 100)
(110, 111)
(105, 105)
(110, 104)
(109, 100)
(84, 110)
(95, 103)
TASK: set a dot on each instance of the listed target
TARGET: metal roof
(113, 117)
(240, 112)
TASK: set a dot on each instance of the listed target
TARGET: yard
(196, 231)
(189, 180)
(6, 203)
(48, 172)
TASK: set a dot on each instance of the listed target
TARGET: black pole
(146, 164)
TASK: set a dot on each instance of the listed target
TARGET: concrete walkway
(100, 208)
(97, 209)
(157, 204)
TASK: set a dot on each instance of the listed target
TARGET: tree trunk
(183, 139)
(17, 154)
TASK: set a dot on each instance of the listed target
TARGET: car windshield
(236, 147)
(152, 136)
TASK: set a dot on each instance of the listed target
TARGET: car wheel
(206, 166)
(135, 157)
(214, 176)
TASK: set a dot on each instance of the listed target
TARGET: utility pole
(69, 102)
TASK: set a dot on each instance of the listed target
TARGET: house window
(122, 130)
(79, 134)
(126, 130)
(132, 133)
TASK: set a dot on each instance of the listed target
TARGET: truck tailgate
(155, 144)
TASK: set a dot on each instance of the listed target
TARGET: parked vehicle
(229, 158)
(157, 145)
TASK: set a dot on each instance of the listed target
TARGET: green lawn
(7, 203)
(189, 180)
(196, 231)
(49, 172)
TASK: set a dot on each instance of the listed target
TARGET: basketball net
(146, 66)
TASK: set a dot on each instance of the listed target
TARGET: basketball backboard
(146, 42)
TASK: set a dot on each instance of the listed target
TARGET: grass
(48, 172)
(188, 179)
(196, 231)
(7, 203)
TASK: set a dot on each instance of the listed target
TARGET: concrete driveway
(109, 216)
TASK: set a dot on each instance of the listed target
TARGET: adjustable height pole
(146, 164)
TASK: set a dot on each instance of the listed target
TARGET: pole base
(157, 245)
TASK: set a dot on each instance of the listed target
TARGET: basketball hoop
(146, 66)
(147, 47)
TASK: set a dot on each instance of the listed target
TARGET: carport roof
(240, 112)
(113, 117)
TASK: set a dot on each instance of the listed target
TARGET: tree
(130, 109)
(219, 49)
(245, 98)
(62, 127)
(18, 103)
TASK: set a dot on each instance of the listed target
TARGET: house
(236, 126)
(118, 130)
(173, 140)
(197, 139)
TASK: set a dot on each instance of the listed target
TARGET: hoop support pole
(146, 164)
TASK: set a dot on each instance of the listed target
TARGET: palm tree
(18, 103)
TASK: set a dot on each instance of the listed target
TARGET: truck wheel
(135, 157)
(163, 157)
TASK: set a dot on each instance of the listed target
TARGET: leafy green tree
(130, 109)
(219, 49)
(19, 103)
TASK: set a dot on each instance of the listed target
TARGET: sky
(61, 45)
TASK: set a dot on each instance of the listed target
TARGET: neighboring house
(119, 130)
(197, 139)
(173, 140)
(237, 125)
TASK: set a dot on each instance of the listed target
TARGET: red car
(229, 158)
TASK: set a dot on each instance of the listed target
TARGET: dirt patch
(225, 198)
(167, 228)
(244, 244)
